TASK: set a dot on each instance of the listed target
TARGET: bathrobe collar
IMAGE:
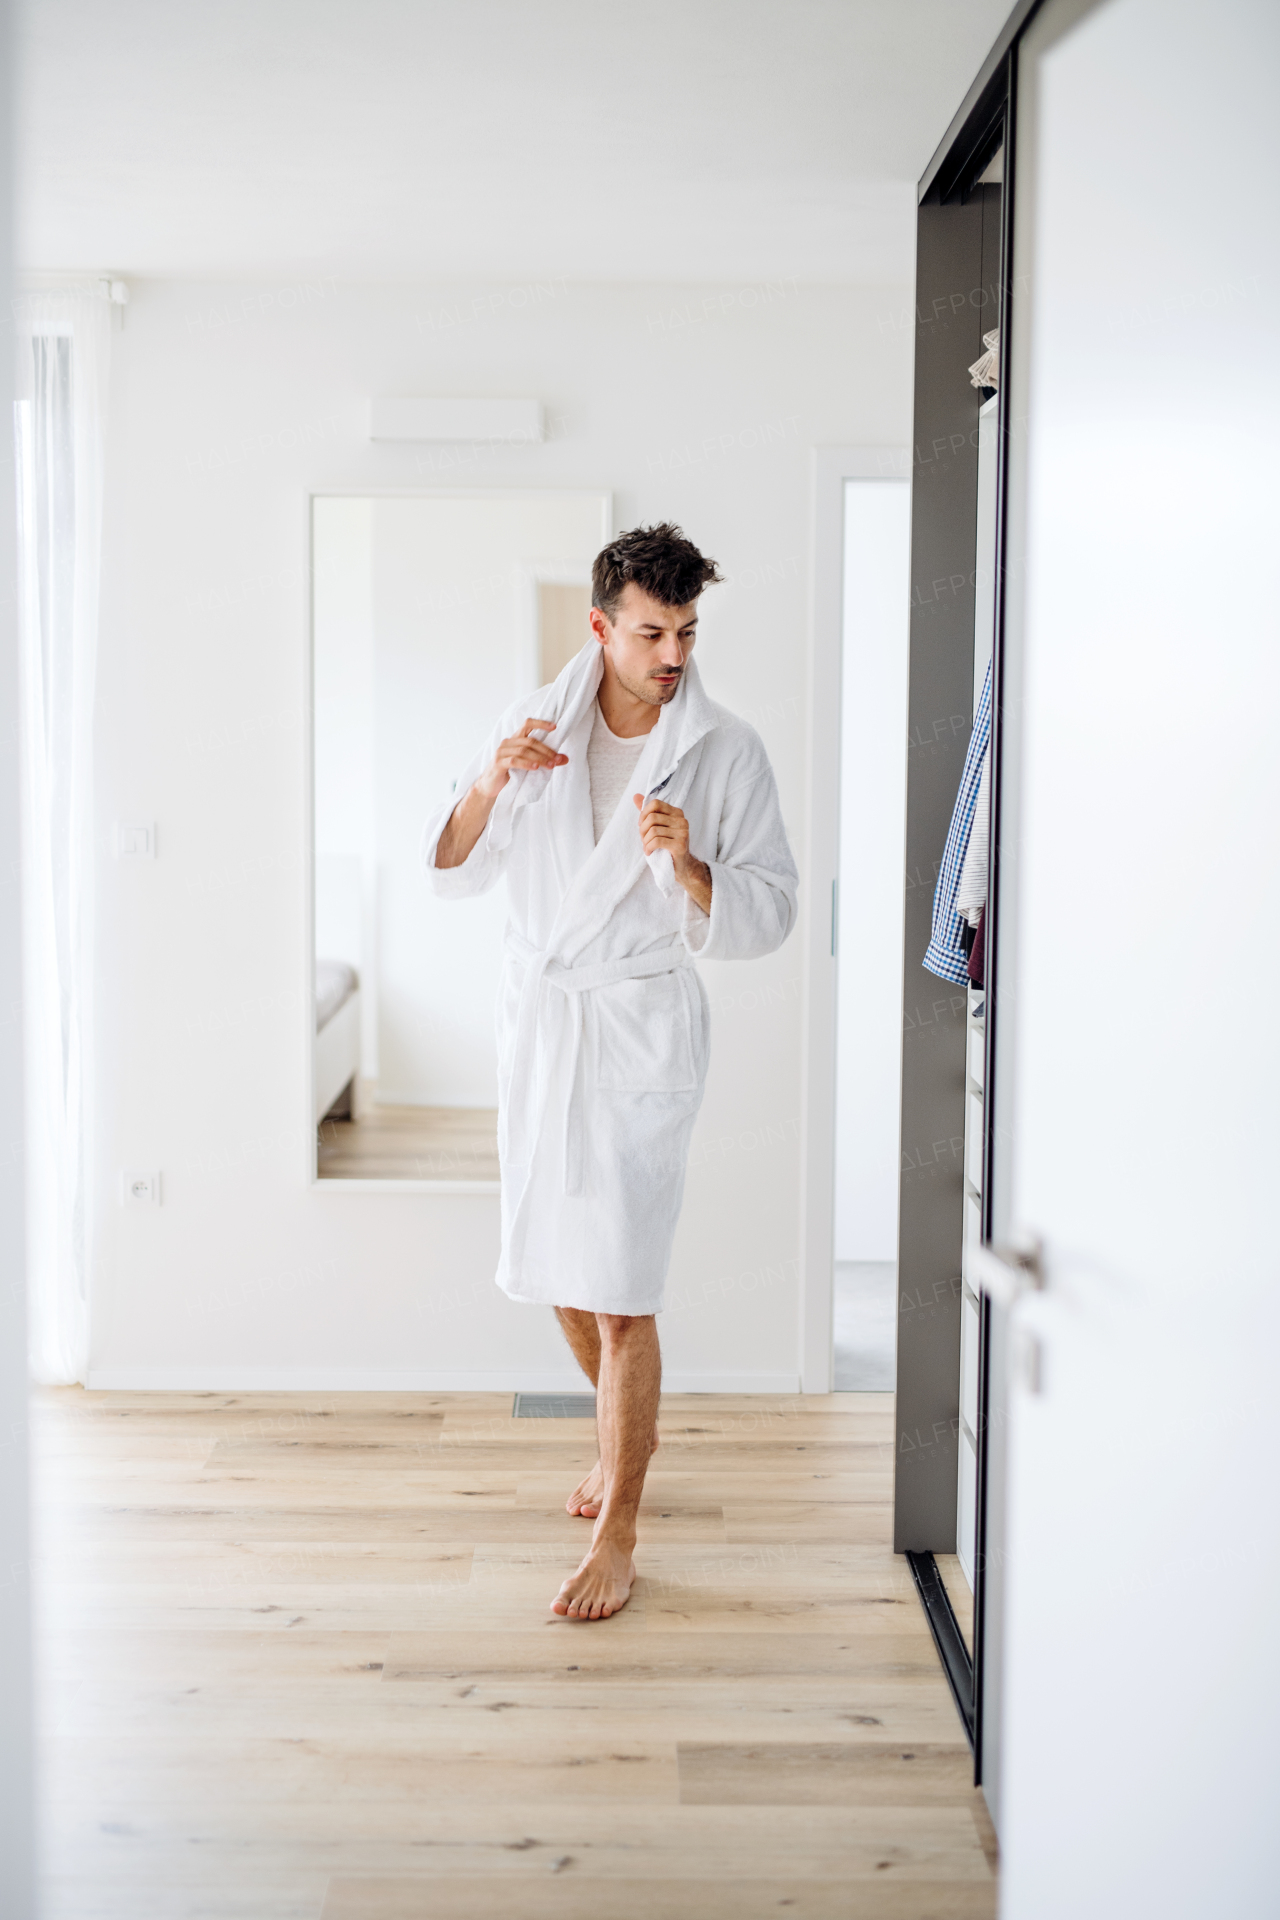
(566, 705)
(596, 877)
(610, 869)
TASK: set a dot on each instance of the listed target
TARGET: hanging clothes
(946, 954)
(971, 896)
(985, 371)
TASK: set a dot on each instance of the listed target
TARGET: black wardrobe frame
(944, 523)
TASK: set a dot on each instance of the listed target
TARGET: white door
(1141, 1022)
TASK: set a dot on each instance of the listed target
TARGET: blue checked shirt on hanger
(945, 955)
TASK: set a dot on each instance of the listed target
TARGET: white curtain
(63, 344)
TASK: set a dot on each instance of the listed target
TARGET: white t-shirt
(610, 764)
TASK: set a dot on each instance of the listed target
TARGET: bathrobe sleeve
(753, 876)
(483, 866)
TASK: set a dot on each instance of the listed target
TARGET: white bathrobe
(603, 1023)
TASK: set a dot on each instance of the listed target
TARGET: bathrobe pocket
(645, 1035)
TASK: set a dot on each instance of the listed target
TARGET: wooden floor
(411, 1143)
(297, 1663)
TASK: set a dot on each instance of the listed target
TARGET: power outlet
(140, 1189)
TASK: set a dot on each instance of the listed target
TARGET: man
(637, 824)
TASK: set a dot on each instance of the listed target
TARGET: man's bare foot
(586, 1498)
(587, 1495)
(601, 1586)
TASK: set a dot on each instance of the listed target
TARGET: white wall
(229, 403)
(873, 798)
(17, 1843)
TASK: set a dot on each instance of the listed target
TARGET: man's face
(648, 644)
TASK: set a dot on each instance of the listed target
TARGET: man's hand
(522, 752)
(467, 821)
(664, 829)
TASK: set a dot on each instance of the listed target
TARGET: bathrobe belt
(525, 1111)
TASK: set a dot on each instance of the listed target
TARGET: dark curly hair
(660, 560)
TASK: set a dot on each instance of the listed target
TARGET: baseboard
(403, 1380)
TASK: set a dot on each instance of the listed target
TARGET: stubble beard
(652, 692)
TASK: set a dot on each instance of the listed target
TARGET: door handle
(1006, 1272)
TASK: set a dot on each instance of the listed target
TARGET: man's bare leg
(627, 1390)
(583, 1334)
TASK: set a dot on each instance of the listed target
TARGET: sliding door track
(956, 1660)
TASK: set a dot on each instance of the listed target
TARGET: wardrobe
(958, 1271)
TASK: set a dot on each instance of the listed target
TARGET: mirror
(430, 614)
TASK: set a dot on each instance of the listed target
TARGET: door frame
(831, 467)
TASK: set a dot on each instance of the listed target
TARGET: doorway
(868, 929)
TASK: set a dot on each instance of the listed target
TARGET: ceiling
(408, 139)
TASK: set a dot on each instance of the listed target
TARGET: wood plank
(570, 1897)
(381, 1520)
(516, 1840)
(400, 1466)
(184, 1893)
(329, 1488)
(808, 1523)
(690, 1610)
(717, 1487)
(441, 1718)
(450, 1602)
(64, 1407)
(568, 1442)
(120, 1660)
(384, 1519)
(670, 1566)
(107, 1560)
(826, 1773)
(755, 1427)
(833, 1658)
(502, 1768)
(828, 1404)
(853, 1569)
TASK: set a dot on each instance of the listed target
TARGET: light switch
(135, 842)
(140, 1189)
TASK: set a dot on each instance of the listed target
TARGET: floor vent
(554, 1406)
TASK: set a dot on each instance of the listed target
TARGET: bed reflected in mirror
(430, 613)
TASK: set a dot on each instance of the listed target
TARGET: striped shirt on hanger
(946, 955)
